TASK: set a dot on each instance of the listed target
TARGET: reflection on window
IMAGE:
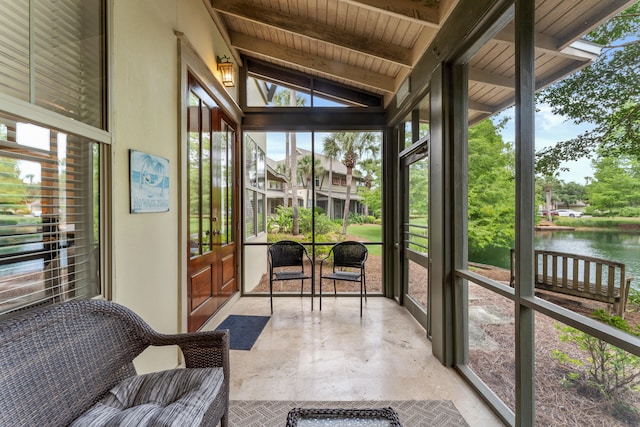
(255, 173)
(49, 216)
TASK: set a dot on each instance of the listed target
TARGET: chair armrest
(200, 349)
(322, 262)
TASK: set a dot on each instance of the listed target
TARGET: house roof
(373, 45)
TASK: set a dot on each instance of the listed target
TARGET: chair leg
(301, 287)
(335, 293)
(364, 281)
(271, 294)
(361, 296)
(320, 285)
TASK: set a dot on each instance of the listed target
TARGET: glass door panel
(416, 232)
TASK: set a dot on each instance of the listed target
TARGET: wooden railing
(581, 276)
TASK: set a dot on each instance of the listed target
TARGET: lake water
(617, 246)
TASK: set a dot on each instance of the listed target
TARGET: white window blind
(49, 221)
(52, 55)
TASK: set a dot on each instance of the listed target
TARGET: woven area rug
(243, 330)
(412, 413)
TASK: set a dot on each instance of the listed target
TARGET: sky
(550, 129)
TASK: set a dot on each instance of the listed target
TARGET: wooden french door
(212, 263)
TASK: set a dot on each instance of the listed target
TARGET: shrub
(355, 218)
(608, 370)
(634, 297)
(630, 211)
(283, 219)
(370, 219)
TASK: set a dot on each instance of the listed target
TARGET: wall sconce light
(225, 66)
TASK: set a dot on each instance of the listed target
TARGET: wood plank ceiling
(373, 45)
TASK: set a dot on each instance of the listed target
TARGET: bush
(606, 369)
(355, 218)
(283, 220)
(634, 297)
(630, 211)
(370, 219)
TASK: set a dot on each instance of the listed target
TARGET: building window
(49, 215)
(53, 57)
(335, 180)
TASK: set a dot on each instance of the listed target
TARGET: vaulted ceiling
(373, 45)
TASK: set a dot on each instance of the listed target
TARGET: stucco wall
(147, 276)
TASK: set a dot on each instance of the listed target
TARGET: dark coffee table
(310, 417)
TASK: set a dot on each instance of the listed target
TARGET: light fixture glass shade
(226, 71)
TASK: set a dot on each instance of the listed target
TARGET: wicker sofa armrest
(201, 349)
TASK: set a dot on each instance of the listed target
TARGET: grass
(369, 232)
(598, 222)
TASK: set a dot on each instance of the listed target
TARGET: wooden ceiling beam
(314, 30)
(426, 12)
(492, 79)
(325, 66)
(548, 44)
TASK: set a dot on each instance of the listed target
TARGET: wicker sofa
(71, 364)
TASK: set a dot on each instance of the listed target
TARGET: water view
(612, 245)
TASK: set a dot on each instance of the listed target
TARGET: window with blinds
(52, 55)
(49, 215)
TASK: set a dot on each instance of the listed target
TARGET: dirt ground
(491, 346)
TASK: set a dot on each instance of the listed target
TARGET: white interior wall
(147, 276)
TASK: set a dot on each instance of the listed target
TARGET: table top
(310, 417)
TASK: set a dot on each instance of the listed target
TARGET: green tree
(547, 186)
(13, 188)
(330, 149)
(419, 188)
(352, 146)
(491, 189)
(281, 98)
(570, 193)
(371, 170)
(306, 167)
(615, 184)
(605, 94)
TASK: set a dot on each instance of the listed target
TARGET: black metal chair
(348, 265)
(282, 256)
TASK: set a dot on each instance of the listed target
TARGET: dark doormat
(243, 330)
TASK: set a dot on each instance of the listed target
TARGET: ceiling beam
(425, 12)
(315, 30)
(483, 108)
(547, 44)
(492, 79)
(322, 65)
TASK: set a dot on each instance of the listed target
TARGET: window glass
(49, 215)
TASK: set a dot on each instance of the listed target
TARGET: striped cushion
(178, 397)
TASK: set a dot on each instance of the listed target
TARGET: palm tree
(351, 147)
(282, 169)
(370, 167)
(305, 171)
(331, 150)
(288, 97)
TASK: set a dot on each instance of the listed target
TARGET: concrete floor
(334, 354)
